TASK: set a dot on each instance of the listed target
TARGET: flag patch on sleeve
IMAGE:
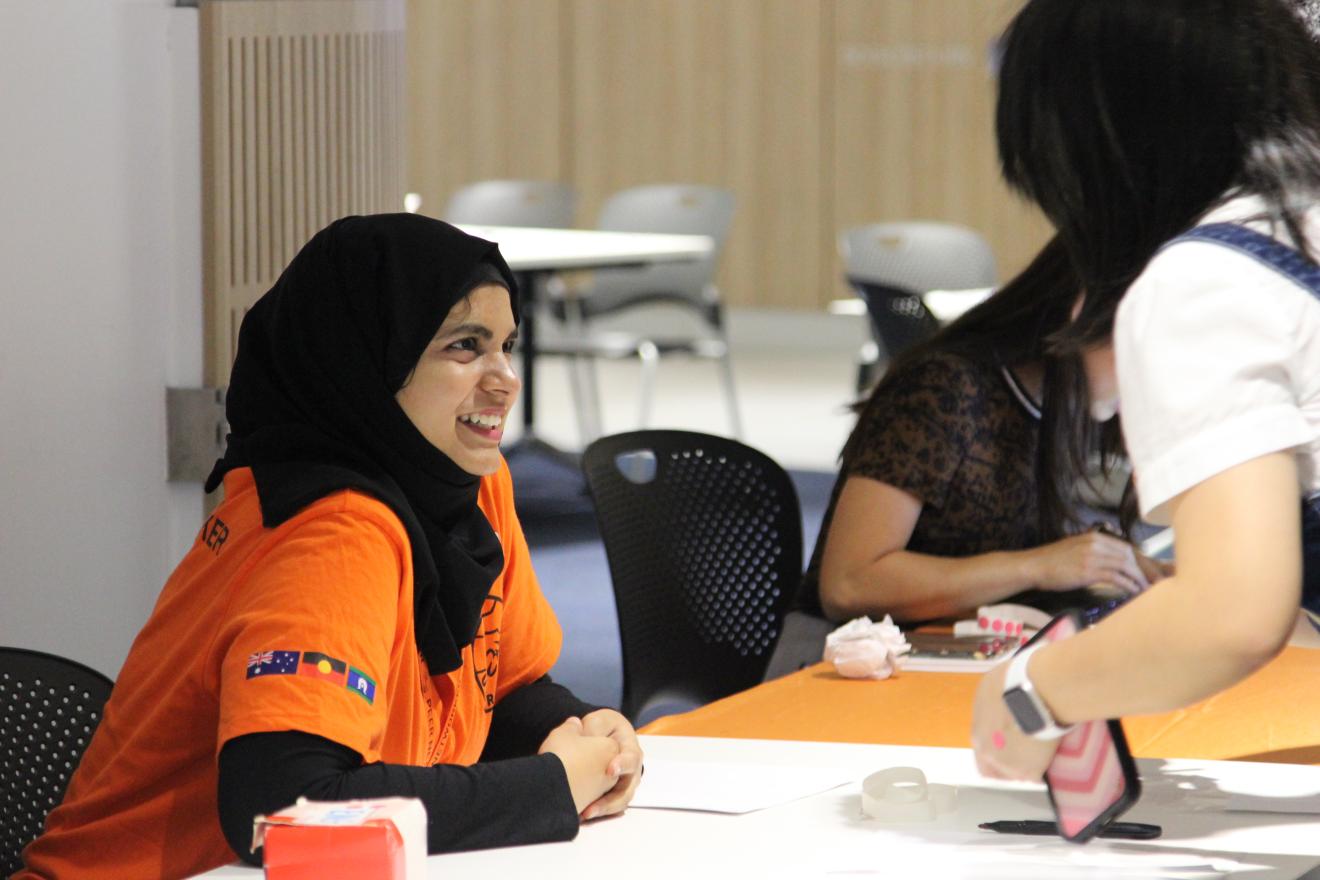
(313, 664)
(323, 666)
(272, 663)
(361, 685)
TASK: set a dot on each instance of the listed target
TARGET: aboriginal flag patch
(323, 666)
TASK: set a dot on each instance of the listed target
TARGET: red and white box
(383, 838)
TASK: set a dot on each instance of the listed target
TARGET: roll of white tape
(901, 794)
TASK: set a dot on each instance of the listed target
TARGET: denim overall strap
(1294, 265)
(1261, 248)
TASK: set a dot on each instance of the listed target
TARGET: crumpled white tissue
(862, 648)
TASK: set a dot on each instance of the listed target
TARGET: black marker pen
(1120, 830)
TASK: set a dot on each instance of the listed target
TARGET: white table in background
(536, 254)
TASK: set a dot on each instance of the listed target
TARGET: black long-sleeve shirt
(511, 796)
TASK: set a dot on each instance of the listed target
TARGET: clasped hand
(1095, 557)
(602, 759)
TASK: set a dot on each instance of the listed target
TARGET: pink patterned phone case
(1092, 779)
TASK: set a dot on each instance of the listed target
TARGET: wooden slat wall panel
(819, 114)
(302, 123)
(914, 121)
(484, 94)
(727, 94)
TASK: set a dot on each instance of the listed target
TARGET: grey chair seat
(801, 644)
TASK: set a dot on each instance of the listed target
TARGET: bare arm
(866, 568)
(1227, 611)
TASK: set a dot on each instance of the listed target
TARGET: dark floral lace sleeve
(915, 433)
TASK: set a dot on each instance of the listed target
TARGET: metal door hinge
(196, 427)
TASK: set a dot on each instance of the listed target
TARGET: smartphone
(1093, 614)
(944, 646)
(1092, 779)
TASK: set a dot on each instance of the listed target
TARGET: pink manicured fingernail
(997, 739)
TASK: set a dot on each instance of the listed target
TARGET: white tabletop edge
(532, 249)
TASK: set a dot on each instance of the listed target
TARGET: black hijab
(312, 411)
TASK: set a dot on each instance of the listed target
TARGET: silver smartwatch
(1028, 709)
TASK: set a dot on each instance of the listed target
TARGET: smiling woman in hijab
(359, 617)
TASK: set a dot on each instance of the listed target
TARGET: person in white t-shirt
(1175, 146)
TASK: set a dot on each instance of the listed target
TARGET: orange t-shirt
(308, 627)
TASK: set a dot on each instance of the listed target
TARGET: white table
(526, 249)
(534, 254)
(826, 835)
(945, 305)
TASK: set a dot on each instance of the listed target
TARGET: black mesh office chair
(49, 708)
(704, 540)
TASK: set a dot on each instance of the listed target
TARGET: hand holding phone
(1092, 779)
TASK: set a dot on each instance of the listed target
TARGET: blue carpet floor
(570, 562)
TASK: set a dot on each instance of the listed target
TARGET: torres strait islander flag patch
(361, 685)
(312, 664)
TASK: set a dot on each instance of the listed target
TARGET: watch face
(1024, 710)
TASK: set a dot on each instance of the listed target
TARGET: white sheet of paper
(729, 788)
(1272, 788)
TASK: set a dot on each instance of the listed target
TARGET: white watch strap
(1015, 677)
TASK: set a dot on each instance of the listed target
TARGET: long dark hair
(1016, 326)
(1126, 120)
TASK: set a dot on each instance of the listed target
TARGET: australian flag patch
(272, 663)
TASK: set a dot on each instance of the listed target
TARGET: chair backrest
(49, 708)
(890, 265)
(686, 209)
(541, 203)
(704, 541)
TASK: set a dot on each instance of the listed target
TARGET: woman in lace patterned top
(957, 485)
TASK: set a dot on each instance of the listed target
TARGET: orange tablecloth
(1272, 716)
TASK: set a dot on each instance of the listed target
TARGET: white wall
(100, 310)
